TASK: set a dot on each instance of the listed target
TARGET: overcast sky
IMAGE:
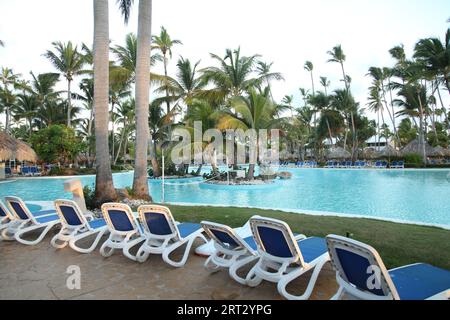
(287, 32)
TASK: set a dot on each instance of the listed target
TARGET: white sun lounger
(284, 258)
(76, 226)
(26, 221)
(163, 235)
(5, 217)
(125, 231)
(361, 274)
(230, 250)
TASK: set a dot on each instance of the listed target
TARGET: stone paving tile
(39, 272)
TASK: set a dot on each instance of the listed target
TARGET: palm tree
(140, 181)
(337, 55)
(255, 111)
(164, 44)
(325, 84)
(288, 102)
(232, 78)
(26, 107)
(435, 58)
(69, 61)
(375, 104)
(263, 70)
(125, 116)
(104, 187)
(185, 87)
(310, 67)
(8, 81)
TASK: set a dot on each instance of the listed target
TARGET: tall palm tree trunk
(140, 181)
(104, 187)
(154, 160)
(112, 132)
(69, 103)
(165, 80)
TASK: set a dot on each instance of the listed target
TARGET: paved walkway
(39, 272)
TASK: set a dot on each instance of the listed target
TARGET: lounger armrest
(300, 237)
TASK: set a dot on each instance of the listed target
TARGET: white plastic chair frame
(70, 235)
(164, 244)
(285, 269)
(6, 220)
(18, 226)
(122, 240)
(224, 257)
(387, 286)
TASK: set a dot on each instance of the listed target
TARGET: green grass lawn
(398, 244)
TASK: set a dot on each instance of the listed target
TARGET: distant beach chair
(8, 172)
(284, 258)
(76, 226)
(25, 171)
(360, 273)
(25, 221)
(401, 165)
(231, 251)
(329, 164)
(125, 231)
(34, 171)
(163, 235)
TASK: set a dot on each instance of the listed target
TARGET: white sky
(288, 32)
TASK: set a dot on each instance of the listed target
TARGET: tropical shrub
(89, 197)
(413, 160)
(57, 143)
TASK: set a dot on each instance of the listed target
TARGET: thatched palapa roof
(390, 151)
(338, 153)
(440, 152)
(11, 148)
(416, 147)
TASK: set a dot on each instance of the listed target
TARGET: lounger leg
(338, 294)
(210, 266)
(170, 249)
(129, 245)
(73, 242)
(252, 280)
(32, 228)
(239, 264)
(10, 231)
(58, 243)
(106, 249)
(284, 281)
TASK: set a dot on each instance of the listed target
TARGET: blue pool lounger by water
(417, 196)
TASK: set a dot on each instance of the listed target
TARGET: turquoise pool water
(420, 196)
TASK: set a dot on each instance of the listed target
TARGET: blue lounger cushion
(312, 248)
(42, 213)
(251, 242)
(47, 219)
(186, 229)
(98, 223)
(420, 281)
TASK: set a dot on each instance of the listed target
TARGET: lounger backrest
(69, 213)
(4, 212)
(224, 236)
(8, 170)
(360, 266)
(275, 238)
(158, 221)
(119, 217)
(18, 208)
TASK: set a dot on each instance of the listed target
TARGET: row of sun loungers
(25, 171)
(365, 164)
(300, 164)
(278, 255)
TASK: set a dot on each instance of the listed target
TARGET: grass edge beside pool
(398, 244)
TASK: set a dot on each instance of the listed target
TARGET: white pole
(162, 196)
(228, 172)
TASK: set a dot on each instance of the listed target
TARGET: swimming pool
(420, 196)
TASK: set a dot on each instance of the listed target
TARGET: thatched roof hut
(368, 153)
(416, 147)
(390, 151)
(11, 148)
(338, 153)
(440, 152)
